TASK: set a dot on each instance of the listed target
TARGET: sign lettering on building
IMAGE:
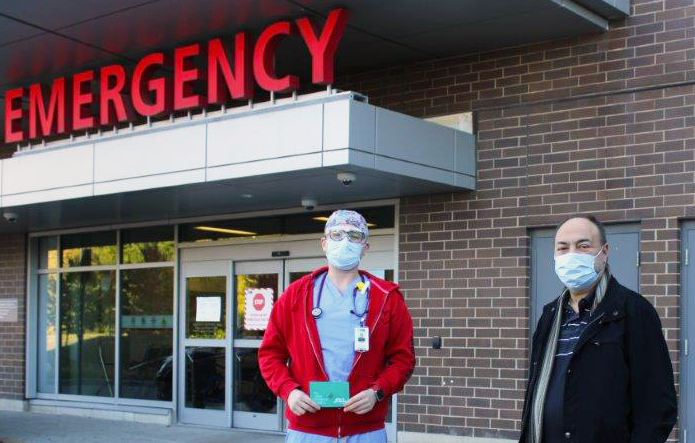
(123, 94)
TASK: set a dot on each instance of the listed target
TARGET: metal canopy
(267, 157)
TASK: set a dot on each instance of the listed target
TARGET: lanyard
(317, 312)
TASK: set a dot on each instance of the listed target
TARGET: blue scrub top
(336, 328)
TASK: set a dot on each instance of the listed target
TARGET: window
(147, 326)
(78, 279)
(48, 339)
(87, 333)
(90, 249)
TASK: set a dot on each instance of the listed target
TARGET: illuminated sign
(124, 94)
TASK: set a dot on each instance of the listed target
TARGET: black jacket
(619, 386)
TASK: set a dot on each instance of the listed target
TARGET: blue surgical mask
(343, 254)
(576, 270)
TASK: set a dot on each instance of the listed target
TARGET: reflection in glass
(206, 298)
(48, 252)
(47, 333)
(147, 333)
(88, 249)
(87, 333)
(294, 276)
(147, 245)
(251, 394)
(247, 283)
(205, 372)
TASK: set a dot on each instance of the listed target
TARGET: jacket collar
(612, 307)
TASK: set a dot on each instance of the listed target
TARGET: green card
(330, 394)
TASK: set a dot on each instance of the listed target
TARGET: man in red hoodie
(339, 324)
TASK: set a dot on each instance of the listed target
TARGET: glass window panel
(47, 333)
(147, 245)
(147, 323)
(206, 299)
(205, 378)
(48, 252)
(294, 276)
(251, 393)
(257, 286)
(88, 249)
(87, 333)
(304, 223)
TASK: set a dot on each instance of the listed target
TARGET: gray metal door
(687, 389)
(623, 257)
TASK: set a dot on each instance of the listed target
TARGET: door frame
(685, 327)
(208, 268)
(246, 419)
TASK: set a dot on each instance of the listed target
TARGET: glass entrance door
(257, 285)
(204, 357)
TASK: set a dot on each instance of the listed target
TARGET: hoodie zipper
(340, 423)
(313, 348)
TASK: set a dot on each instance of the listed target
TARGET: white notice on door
(208, 308)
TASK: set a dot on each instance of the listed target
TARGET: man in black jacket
(600, 370)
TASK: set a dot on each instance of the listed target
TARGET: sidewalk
(27, 427)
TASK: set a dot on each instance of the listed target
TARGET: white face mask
(576, 270)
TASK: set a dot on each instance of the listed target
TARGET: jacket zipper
(340, 423)
(311, 341)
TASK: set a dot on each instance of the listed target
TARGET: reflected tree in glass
(197, 287)
(147, 333)
(87, 333)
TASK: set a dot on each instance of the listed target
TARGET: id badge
(362, 339)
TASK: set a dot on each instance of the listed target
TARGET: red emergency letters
(161, 83)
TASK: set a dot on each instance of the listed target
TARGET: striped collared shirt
(571, 328)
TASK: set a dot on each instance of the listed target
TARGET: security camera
(346, 178)
(309, 204)
(10, 216)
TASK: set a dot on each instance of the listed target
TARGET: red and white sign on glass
(259, 303)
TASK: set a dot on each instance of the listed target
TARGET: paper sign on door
(208, 308)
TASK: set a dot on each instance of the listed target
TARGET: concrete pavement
(28, 427)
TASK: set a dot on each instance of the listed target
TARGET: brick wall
(12, 285)
(600, 124)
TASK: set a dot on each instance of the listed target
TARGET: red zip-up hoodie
(290, 356)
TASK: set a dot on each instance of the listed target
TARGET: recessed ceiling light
(246, 195)
(224, 230)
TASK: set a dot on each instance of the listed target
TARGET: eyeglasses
(352, 235)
